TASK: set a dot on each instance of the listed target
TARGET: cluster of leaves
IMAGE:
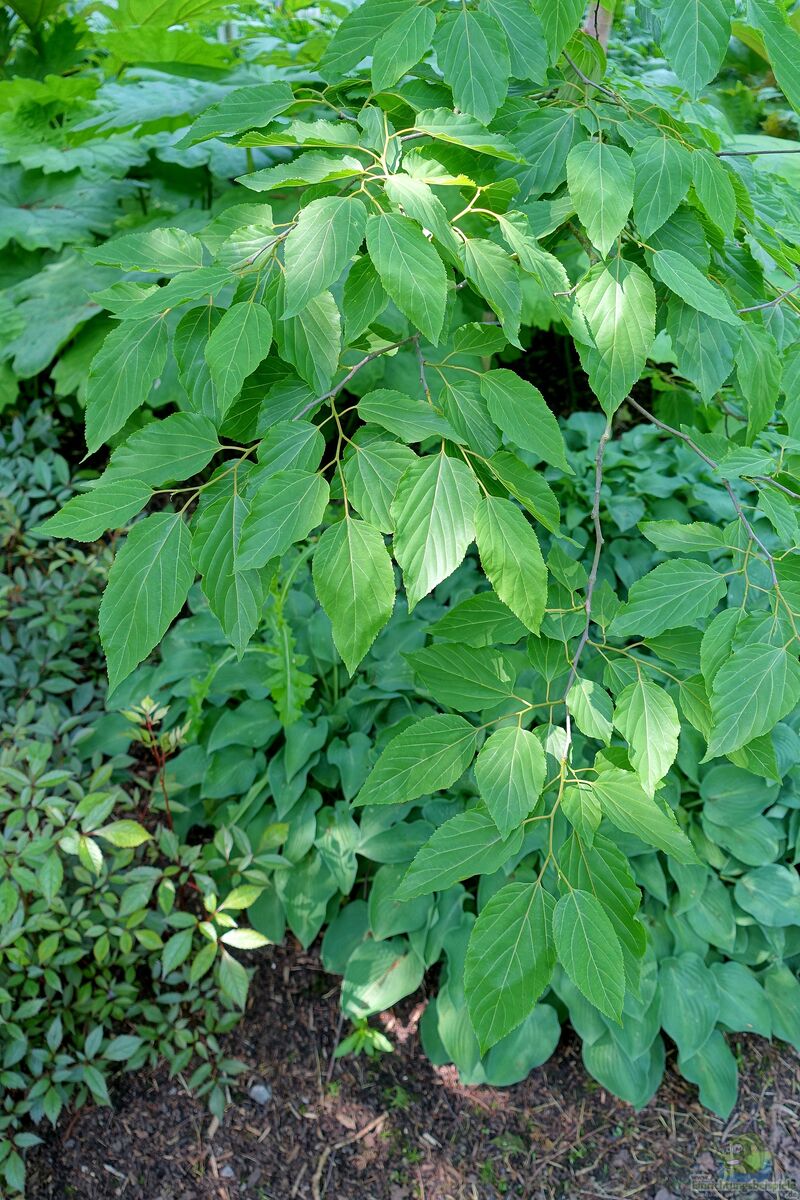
(335, 343)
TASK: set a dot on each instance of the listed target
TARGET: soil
(397, 1128)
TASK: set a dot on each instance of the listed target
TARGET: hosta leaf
(410, 270)
(122, 373)
(510, 771)
(287, 506)
(673, 594)
(354, 581)
(519, 409)
(628, 806)
(147, 586)
(433, 514)
(694, 37)
(472, 53)
(752, 691)
(236, 598)
(600, 178)
(589, 950)
(511, 558)
(619, 303)
(235, 348)
(510, 960)
(689, 1001)
(468, 844)
(87, 516)
(663, 174)
(431, 754)
(647, 718)
(327, 235)
(401, 46)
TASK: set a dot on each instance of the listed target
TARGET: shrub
(349, 355)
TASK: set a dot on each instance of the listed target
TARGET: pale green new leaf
(87, 516)
(618, 301)
(147, 586)
(673, 594)
(472, 53)
(433, 514)
(519, 409)
(236, 598)
(285, 508)
(589, 950)
(510, 771)
(600, 178)
(429, 755)
(401, 46)
(646, 717)
(694, 37)
(235, 348)
(468, 844)
(121, 375)
(628, 806)
(410, 270)
(354, 581)
(511, 558)
(326, 236)
(510, 960)
(757, 687)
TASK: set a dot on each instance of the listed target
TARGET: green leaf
(630, 808)
(356, 36)
(472, 54)
(244, 108)
(714, 1069)
(618, 301)
(378, 974)
(311, 341)
(782, 41)
(311, 167)
(428, 756)
(126, 834)
(771, 894)
(458, 129)
(694, 37)
(409, 419)
(372, 474)
(433, 514)
(417, 199)
(694, 288)
(704, 347)
(465, 677)
(235, 597)
(468, 844)
(527, 486)
(327, 234)
(233, 978)
(235, 348)
(663, 174)
(168, 450)
(689, 1002)
(510, 960)
(511, 559)
(758, 369)
(603, 870)
(714, 189)
(87, 516)
(510, 771)
(401, 46)
(591, 709)
(559, 22)
(673, 594)
(647, 718)
(519, 409)
(363, 298)
(122, 373)
(286, 507)
(600, 178)
(147, 587)
(480, 620)
(589, 950)
(495, 276)
(410, 270)
(527, 46)
(176, 950)
(164, 251)
(354, 581)
(752, 691)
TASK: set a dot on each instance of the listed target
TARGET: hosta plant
(345, 338)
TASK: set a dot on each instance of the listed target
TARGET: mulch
(396, 1128)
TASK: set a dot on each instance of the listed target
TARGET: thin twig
(770, 303)
(748, 153)
(353, 371)
(780, 486)
(751, 533)
(423, 378)
(590, 82)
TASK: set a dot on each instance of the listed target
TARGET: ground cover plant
(461, 683)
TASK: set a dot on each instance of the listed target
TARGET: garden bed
(399, 1129)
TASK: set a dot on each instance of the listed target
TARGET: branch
(589, 82)
(353, 371)
(751, 533)
(770, 303)
(598, 23)
(748, 153)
